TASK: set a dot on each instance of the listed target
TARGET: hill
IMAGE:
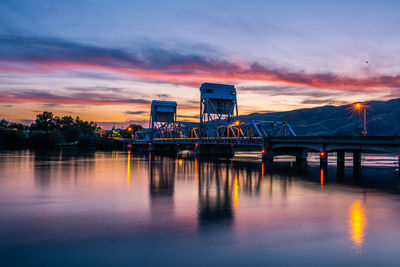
(383, 119)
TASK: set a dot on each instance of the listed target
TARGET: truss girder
(247, 133)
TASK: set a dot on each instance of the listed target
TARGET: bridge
(220, 133)
(299, 146)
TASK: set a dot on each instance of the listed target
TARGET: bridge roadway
(299, 146)
(270, 147)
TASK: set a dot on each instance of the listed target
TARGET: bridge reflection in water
(222, 184)
(139, 205)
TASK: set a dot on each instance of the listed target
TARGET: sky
(106, 60)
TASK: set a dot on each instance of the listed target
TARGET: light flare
(235, 201)
(357, 224)
(128, 169)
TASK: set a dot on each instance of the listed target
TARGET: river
(66, 208)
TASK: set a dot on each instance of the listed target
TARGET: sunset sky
(106, 60)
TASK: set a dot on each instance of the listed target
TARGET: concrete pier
(267, 152)
(340, 159)
(356, 158)
(323, 159)
(356, 164)
(301, 156)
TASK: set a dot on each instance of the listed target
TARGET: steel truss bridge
(219, 123)
(220, 133)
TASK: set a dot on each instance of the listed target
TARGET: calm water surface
(64, 208)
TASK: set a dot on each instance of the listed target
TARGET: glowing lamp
(129, 145)
(197, 144)
(237, 122)
(358, 106)
(322, 154)
(149, 143)
(263, 150)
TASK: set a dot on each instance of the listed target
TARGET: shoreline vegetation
(49, 131)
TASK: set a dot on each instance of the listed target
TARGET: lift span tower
(219, 124)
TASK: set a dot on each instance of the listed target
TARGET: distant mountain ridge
(383, 119)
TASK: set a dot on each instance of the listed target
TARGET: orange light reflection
(128, 169)
(322, 178)
(235, 201)
(262, 171)
(357, 224)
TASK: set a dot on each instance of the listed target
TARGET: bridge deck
(375, 140)
(379, 144)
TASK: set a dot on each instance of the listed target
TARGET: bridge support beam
(323, 157)
(398, 163)
(356, 158)
(268, 156)
(356, 164)
(267, 152)
(340, 159)
(323, 160)
(301, 156)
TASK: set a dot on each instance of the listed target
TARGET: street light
(361, 107)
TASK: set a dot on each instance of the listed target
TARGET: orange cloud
(194, 74)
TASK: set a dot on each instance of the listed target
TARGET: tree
(3, 123)
(44, 139)
(44, 121)
(71, 134)
(64, 122)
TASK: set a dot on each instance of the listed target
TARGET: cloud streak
(39, 55)
(135, 112)
(85, 98)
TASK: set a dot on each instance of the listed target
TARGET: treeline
(49, 131)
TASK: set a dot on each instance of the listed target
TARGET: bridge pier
(267, 152)
(340, 159)
(323, 157)
(301, 156)
(356, 164)
(268, 156)
(398, 163)
(356, 158)
(219, 151)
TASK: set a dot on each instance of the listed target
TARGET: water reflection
(128, 169)
(231, 211)
(323, 172)
(215, 195)
(235, 192)
(162, 182)
(43, 168)
(357, 225)
(64, 165)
